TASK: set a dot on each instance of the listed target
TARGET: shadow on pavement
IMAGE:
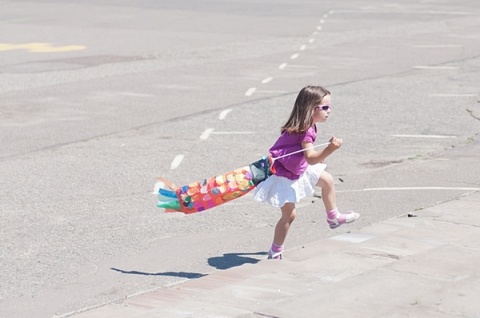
(230, 260)
(226, 261)
(174, 274)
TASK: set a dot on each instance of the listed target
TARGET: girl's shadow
(230, 260)
(226, 261)
(173, 274)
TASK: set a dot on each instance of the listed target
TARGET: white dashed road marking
(266, 80)
(412, 189)
(232, 132)
(130, 94)
(206, 133)
(272, 92)
(176, 161)
(224, 114)
(429, 67)
(424, 136)
(301, 66)
(438, 46)
(250, 91)
(453, 95)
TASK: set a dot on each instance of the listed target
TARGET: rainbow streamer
(208, 193)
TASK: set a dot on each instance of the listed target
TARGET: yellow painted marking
(39, 47)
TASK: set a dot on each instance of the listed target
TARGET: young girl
(297, 175)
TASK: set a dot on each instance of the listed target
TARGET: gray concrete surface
(418, 266)
(97, 98)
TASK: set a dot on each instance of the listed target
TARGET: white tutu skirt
(279, 190)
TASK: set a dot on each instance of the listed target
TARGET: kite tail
(208, 193)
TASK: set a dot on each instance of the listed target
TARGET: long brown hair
(301, 117)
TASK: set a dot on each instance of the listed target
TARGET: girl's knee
(326, 180)
(291, 216)
(289, 212)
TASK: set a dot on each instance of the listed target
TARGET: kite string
(301, 150)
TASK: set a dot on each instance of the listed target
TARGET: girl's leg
(281, 230)
(328, 191)
(334, 218)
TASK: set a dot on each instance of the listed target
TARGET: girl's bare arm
(313, 156)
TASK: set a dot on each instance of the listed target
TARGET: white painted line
(412, 189)
(224, 114)
(424, 136)
(393, 5)
(301, 66)
(282, 66)
(419, 12)
(322, 21)
(331, 12)
(233, 133)
(453, 95)
(446, 12)
(250, 91)
(463, 36)
(311, 40)
(319, 28)
(294, 56)
(303, 47)
(428, 67)
(266, 80)
(437, 46)
(206, 133)
(325, 15)
(136, 94)
(272, 92)
(176, 161)
(430, 188)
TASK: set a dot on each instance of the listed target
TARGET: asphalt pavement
(100, 97)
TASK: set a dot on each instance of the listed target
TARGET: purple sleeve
(310, 135)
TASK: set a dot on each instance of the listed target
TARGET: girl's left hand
(336, 142)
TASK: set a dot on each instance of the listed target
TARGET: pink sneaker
(342, 218)
(275, 255)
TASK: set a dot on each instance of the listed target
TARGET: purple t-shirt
(292, 166)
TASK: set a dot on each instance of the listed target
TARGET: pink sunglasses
(324, 107)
